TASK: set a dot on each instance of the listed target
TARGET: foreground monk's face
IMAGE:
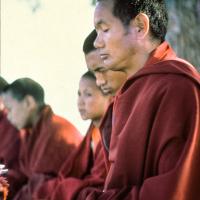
(18, 112)
(114, 41)
(109, 81)
(91, 102)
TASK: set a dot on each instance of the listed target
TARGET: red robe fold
(81, 170)
(9, 147)
(44, 149)
(9, 142)
(155, 141)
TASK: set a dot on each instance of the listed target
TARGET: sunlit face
(92, 103)
(116, 43)
(109, 81)
(18, 112)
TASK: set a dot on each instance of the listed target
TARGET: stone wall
(184, 29)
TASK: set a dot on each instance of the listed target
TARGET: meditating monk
(47, 140)
(86, 167)
(153, 150)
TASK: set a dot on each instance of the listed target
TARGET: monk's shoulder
(178, 82)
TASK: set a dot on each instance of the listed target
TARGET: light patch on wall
(46, 45)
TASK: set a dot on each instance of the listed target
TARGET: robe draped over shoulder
(155, 140)
(9, 147)
(44, 149)
(81, 170)
(9, 142)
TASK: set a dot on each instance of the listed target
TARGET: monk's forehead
(93, 60)
(102, 13)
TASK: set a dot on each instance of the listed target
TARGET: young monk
(154, 145)
(109, 82)
(47, 139)
(92, 104)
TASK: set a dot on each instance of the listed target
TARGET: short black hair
(156, 10)
(89, 75)
(3, 84)
(88, 44)
(22, 87)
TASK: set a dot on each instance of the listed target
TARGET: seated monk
(109, 82)
(46, 139)
(89, 158)
(10, 138)
(154, 143)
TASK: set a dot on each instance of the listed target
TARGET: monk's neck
(136, 65)
(138, 61)
(34, 118)
(96, 122)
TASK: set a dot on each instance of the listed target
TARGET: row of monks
(44, 151)
(144, 104)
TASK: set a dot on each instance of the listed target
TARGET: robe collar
(163, 60)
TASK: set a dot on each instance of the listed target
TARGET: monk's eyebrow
(99, 69)
(99, 23)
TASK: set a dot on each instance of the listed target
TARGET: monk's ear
(30, 102)
(141, 23)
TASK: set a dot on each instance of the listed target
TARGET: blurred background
(42, 39)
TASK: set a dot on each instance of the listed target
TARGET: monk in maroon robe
(9, 136)
(154, 146)
(46, 139)
(9, 139)
(9, 147)
(86, 167)
(9, 143)
(83, 169)
(109, 82)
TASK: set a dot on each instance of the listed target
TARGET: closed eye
(105, 30)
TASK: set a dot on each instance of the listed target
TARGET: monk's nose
(98, 43)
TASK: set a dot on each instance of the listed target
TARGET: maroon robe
(9, 142)
(44, 149)
(9, 148)
(155, 141)
(81, 170)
